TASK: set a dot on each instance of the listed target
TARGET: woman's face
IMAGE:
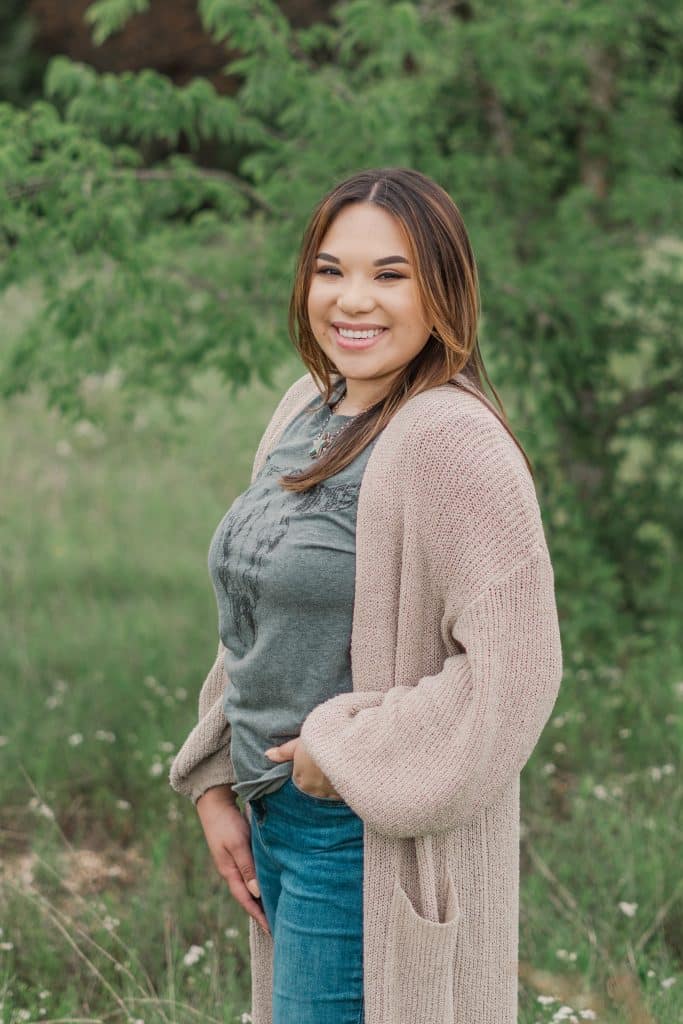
(349, 290)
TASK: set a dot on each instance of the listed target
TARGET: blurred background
(158, 163)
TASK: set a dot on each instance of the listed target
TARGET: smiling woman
(386, 604)
(354, 307)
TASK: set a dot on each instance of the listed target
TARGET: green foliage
(108, 16)
(556, 128)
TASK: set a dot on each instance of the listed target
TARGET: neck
(360, 395)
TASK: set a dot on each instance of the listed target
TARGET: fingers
(234, 876)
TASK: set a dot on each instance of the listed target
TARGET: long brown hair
(448, 285)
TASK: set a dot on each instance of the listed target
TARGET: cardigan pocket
(421, 960)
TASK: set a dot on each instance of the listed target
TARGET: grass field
(110, 907)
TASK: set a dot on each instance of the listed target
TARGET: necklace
(324, 437)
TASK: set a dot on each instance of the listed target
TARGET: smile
(347, 340)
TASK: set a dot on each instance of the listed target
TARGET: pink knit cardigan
(456, 666)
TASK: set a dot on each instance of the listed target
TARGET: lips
(357, 343)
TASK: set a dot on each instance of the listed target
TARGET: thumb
(285, 752)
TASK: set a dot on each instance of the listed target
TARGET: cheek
(315, 303)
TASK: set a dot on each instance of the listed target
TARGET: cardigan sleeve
(204, 758)
(428, 757)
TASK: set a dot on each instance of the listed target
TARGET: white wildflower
(123, 805)
(75, 738)
(628, 908)
(166, 746)
(624, 734)
(600, 792)
(548, 768)
(156, 768)
(231, 933)
(546, 1000)
(6, 945)
(667, 982)
(193, 954)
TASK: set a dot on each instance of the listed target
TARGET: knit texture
(456, 664)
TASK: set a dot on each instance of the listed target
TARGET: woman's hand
(228, 835)
(305, 772)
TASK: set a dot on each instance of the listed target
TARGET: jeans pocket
(421, 959)
(317, 799)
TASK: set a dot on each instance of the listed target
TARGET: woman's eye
(389, 274)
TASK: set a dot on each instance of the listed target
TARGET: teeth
(345, 333)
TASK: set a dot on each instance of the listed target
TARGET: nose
(353, 299)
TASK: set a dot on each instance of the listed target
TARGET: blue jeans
(308, 855)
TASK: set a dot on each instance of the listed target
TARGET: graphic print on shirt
(248, 539)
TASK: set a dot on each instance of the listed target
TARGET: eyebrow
(376, 263)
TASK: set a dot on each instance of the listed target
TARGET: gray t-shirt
(283, 569)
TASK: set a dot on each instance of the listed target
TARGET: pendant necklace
(323, 439)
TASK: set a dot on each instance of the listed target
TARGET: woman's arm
(429, 757)
(204, 758)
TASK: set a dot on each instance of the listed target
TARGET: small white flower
(53, 701)
(193, 954)
(6, 945)
(600, 792)
(655, 773)
(167, 746)
(104, 734)
(667, 982)
(245, 1018)
(628, 908)
(668, 769)
(231, 933)
(123, 805)
(560, 747)
(624, 733)
(546, 1000)
(61, 685)
(75, 738)
(156, 768)
(180, 693)
(588, 1014)
(44, 994)
(549, 768)
(23, 1015)
(110, 923)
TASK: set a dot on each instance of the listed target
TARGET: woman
(389, 643)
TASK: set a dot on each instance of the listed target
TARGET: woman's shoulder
(451, 422)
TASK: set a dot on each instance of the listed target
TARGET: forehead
(365, 230)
